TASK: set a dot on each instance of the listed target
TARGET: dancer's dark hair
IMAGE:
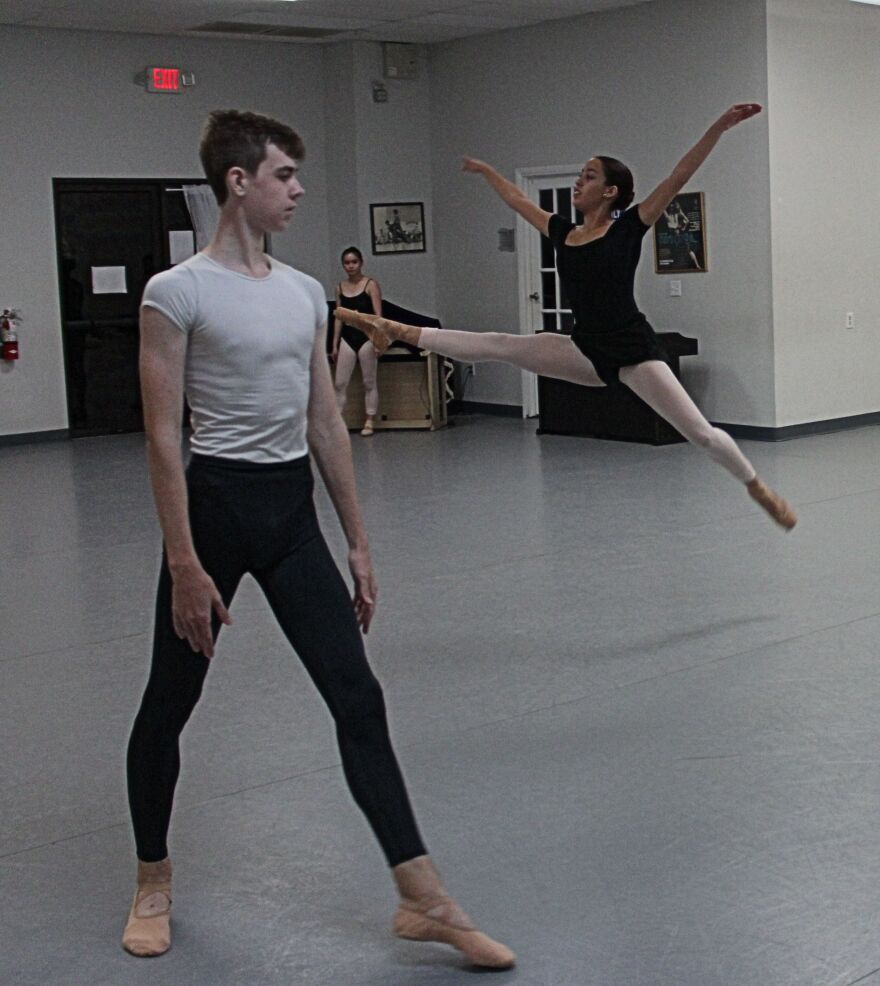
(354, 250)
(617, 173)
(238, 139)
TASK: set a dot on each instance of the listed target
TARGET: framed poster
(680, 236)
(397, 227)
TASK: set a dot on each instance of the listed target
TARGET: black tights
(261, 519)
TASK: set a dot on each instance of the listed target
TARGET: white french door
(543, 306)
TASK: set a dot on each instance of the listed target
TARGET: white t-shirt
(250, 342)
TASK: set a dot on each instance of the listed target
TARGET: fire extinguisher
(8, 336)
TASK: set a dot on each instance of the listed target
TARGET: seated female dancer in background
(612, 340)
(362, 295)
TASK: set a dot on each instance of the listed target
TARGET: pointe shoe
(367, 429)
(778, 508)
(148, 931)
(377, 329)
(424, 920)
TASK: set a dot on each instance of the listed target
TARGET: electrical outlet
(675, 289)
(850, 320)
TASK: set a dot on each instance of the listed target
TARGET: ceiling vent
(264, 30)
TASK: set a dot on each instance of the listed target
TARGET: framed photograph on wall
(680, 236)
(398, 227)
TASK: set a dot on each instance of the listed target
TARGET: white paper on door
(108, 280)
(181, 245)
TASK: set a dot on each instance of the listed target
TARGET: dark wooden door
(112, 236)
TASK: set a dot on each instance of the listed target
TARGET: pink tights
(345, 362)
(554, 355)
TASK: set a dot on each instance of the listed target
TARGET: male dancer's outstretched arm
(194, 595)
(331, 447)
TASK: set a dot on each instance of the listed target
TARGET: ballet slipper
(148, 931)
(367, 429)
(778, 508)
(428, 919)
(380, 331)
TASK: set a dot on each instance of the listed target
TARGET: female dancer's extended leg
(658, 387)
(661, 390)
(556, 356)
(549, 354)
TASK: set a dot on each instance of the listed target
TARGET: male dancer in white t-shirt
(244, 337)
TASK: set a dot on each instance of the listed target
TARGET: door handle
(535, 296)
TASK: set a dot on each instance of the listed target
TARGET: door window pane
(548, 259)
(564, 200)
(548, 296)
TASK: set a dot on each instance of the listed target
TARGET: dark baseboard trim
(29, 437)
(757, 433)
(478, 407)
(762, 434)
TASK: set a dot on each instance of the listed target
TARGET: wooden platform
(412, 393)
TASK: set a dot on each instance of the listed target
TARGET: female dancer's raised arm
(512, 196)
(651, 209)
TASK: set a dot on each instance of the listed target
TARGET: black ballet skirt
(598, 279)
(357, 303)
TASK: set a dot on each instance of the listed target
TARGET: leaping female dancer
(612, 340)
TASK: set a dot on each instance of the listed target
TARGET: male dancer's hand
(365, 588)
(193, 597)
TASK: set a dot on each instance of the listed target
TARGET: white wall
(73, 111)
(340, 124)
(824, 77)
(640, 83)
(380, 153)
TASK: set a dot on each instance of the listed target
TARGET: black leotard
(358, 303)
(598, 278)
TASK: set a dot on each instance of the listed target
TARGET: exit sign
(164, 79)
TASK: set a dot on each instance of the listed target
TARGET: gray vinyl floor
(639, 723)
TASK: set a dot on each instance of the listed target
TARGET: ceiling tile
(420, 21)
